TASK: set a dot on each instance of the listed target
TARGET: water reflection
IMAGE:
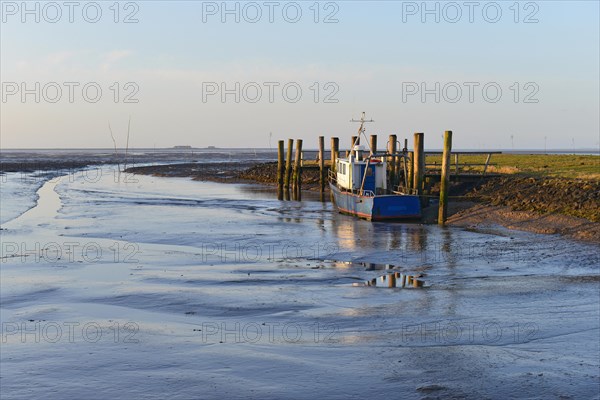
(394, 280)
(355, 234)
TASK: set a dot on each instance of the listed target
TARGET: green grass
(566, 166)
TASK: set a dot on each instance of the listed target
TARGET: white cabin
(353, 171)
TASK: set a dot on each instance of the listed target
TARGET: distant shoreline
(121, 151)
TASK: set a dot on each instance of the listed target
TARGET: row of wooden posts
(289, 172)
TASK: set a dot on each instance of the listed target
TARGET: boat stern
(395, 207)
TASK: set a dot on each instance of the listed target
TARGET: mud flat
(482, 216)
(160, 288)
(227, 172)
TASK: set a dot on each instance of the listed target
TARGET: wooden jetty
(414, 171)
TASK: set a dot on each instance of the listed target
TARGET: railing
(332, 176)
(401, 189)
(456, 168)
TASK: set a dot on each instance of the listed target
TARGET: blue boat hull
(377, 208)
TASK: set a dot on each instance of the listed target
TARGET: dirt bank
(478, 216)
(228, 172)
(575, 197)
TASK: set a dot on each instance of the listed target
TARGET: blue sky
(369, 57)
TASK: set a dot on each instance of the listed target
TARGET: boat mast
(361, 129)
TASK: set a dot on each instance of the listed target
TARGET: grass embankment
(538, 165)
(543, 183)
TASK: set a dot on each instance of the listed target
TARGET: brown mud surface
(478, 216)
(228, 172)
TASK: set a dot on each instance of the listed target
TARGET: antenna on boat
(361, 128)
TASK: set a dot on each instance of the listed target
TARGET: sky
(500, 75)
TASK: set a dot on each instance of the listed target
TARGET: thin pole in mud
(288, 165)
(297, 175)
(392, 164)
(445, 182)
(418, 164)
(322, 163)
(280, 170)
(335, 149)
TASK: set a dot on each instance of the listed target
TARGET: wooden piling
(335, 150)
(404, 164)
(445, 180)
(297, 173)
(410, 178)
(288, 164)
(418, 164)
(392, 167)
(280, 170)
(373, 144)
(322, 163)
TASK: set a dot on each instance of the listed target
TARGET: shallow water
(145, 287)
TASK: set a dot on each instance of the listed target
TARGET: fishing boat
(360, 185)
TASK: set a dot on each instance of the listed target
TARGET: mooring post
(322, 163)
(445, 182)
(373, 144)
(410, 178)
(280, 170)
(288, 164)
(392, 167)
(418, 164)
(404, 163)
(335, 149)
(297, 175)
